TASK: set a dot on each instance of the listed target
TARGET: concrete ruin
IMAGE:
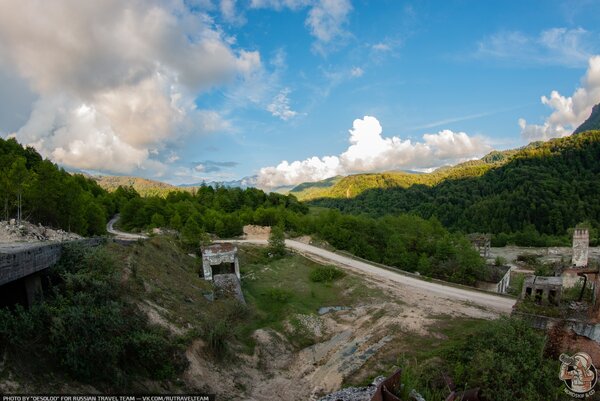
(22, 263)
(581, 245)
(542, 290)
(221, 257)
(482, 242)
(228, 286)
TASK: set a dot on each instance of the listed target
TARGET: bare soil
(348, 340)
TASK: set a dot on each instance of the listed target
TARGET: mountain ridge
(592, 122)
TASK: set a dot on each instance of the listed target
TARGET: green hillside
(546, 189)
(142, 186)
(353, 185)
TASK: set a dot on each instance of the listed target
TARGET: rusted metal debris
(387, 390)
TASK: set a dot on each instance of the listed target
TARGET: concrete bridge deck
(22, 259)
(18, 260)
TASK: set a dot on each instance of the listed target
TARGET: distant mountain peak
(592, 123)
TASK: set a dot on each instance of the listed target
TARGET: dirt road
(490, 301)
(120, 234)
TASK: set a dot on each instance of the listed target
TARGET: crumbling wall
(228, 286)
(215, 255)
(581, 245)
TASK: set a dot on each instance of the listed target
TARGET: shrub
(278, 295)
(220, 324)
(277, 241)
(325, 274)
(504, 351)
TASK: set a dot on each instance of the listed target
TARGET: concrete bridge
(24, 260)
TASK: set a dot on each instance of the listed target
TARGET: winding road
(121, 234)
(498, 303)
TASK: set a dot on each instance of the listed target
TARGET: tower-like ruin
(581, 244)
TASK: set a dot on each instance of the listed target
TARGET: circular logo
(578, 373)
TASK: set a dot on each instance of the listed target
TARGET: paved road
(487, 300)
(121, 234)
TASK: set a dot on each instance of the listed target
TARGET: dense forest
(44, 193)
(541, 193)
(221, 211)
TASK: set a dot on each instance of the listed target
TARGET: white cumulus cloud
(568, 111)
(115, 80)
(370, 151)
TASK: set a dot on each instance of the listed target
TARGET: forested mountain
(48, 194)
(143, 186)
(353, 185)
(542, 189)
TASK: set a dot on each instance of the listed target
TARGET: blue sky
(219, 90)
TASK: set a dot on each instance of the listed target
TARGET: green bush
(86, 328)
(277, 241)
(325, 274)
(502, 352)
(220, 324)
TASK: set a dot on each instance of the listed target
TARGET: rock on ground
(11, 231)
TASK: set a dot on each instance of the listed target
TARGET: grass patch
(277, 290)
(161, 272)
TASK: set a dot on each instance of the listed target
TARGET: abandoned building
(220, 259)
(581, 244)
(543, 290)
(482, 242)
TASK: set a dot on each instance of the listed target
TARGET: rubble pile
(11, 231)
(355, 393)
